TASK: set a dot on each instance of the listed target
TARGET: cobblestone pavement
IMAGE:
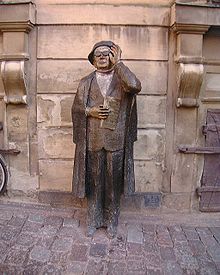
(44, 240)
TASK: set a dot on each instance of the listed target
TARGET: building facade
(173, 48)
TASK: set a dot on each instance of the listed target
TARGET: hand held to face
(99, 112)
(115, 54)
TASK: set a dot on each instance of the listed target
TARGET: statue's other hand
(99, 112)
(115, 54)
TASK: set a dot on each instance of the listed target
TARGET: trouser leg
(95, 190)
(113, 184)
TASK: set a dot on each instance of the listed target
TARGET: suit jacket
(127, 85)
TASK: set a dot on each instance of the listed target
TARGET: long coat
(131, 86)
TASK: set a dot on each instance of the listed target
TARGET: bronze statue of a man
(104, 115)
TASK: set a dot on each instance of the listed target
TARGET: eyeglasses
(99, 54)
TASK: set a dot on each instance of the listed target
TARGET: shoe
(112, 231)
(91, 231)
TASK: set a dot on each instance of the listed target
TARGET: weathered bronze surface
(104, 116)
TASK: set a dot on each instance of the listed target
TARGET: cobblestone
(48, 241)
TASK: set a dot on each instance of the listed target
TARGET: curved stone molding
(190, 77)
(13, 76)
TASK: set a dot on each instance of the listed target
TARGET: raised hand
(115, 54)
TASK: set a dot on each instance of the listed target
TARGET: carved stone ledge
(13, 75)
(16, 26)
(190, 77)
(190, 28)
(14, 57)
(189, 59)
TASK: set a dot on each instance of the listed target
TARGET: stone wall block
(104, 14)
(152, 74)
(55, 175)
(148, 176)
(55, 143)
(186, 124)
(20, 162)
(54, 110)
(151, 110)
(17, 123)
(150, 145)
(183, 175)
(61, 76)
(136, 42)
(177, 202)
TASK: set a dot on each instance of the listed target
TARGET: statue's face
(101, 58)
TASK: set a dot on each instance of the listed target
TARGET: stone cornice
(16, 26)
(189, 28)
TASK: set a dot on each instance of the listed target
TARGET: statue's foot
(112, 231)
(91, 231)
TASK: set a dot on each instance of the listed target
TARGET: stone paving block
(177, 234)
(25, 239)
(53, 221)
(191, 234)
(68, 232)
(10, 270)
(134, 249)
(98, 250)
(214, 253)
(208, 271)
(163, 237)
(149, 237)
(101, 237)
(116, 267)
(185, 257)
(32, 269)
(197, 247)
(6, 215)
(51, 269)
(36, 218)
(70, 222)
(149, 228)
(135, 234)
(149, 248)
(8, 233)
(117, 250)
(3, 222)
(135, 265)
(48, 230)
(79, 253)
(40, 254)
(32, 227)
(205, 261)
(209, 241)
(62, 244)
(15, 257)
(46, 241)
(59, 258)
(75, 268)
(155, 271)
(167, 254)
(16, 222)
(172, 268)
(95, 267)
(153, 260)
(203, 231)
(3, 247)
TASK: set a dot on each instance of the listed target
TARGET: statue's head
(99, 56)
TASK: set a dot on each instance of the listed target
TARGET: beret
(99, 44)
